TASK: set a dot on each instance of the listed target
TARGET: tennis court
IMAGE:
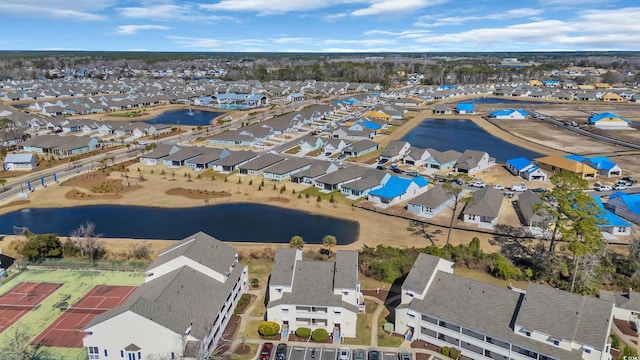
(21, 299)
(66, 330)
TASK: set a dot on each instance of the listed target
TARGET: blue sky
(320, 25)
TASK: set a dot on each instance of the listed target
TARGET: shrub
(250, 182)
(303, 332)
(331, 199)
(503, 268)
(445, 350)
(615, 341)
(319, 335)
(268, 328)
(455, 353)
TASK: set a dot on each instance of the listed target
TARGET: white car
(344, 354)
(478, 184)
(619, 187)
(602, 187)
(498, 187)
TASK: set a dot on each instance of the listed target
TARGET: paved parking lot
(300, 352)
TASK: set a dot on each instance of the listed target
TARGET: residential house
(395, 150)
(345, 132)
(625, 205)
(182, 308)
(260, 163)
(309, 143)
(397, 189)
(334, 180)
(509, 114)
(317, 169)
(19, 162)
(233, 161)
(416, 156)
(490, 322)
(604, 166)
(441, 160)
(612, 97)
(443, 109)
(526, 169)
(334, 146)
(557, 163)
(626, 306)
(408, 102)
(157, 155)
(178, 158)
(484, 207)
(609, 121)
(232, 138)
(283, 170)
(465, 108)
(609, 222)
(59, 145)
(206, 160)
(360, 148)
(430, 203)
(474, 161)
(373, 179)
(534, 217)
(315, 294)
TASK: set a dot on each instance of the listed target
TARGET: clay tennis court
(21, 299)
(66, 331)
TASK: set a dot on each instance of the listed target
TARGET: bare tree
(88, 241)
(18, 347)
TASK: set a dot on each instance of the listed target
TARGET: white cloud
(364, 42)
(63, 9)
(132, 29)
(572, 2)
(407, 34)
(292, 40)
(381, 7)
(169, 12)
(197, 43)
(435, 21)
(267, 7)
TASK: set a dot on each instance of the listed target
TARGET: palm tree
(297, 242)
(329, 241)
(455, 190)
(3, 181)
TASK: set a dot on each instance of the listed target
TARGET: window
(345, 292)
(105, 353)
(411, 314)
(121, 353)
(173, 356)
(94, 354)
(139, 355)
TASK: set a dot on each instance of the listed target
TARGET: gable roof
(632, 201)
(520, 163)
(433, 198)
(397, 186)
(486, 202)
(606, 217)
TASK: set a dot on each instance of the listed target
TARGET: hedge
(303, 332)
(268, 328)
(319, 335)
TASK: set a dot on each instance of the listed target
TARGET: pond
(185, 117)
(231, 222)
(460, 135)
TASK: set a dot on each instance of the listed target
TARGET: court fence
(86, 264)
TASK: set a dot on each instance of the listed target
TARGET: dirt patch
(16, 203)
(197, 194)
(98, 182)
(243, 304)
(242, 350)
(80, 195)
(279, 199)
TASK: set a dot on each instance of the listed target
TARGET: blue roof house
(397, 189)
(526, 169)
(465, 108)
(604, 166)
(509, 114)
(610, 222)
(625, 205)
(607, 120)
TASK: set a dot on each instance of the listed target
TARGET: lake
(185, 117)
(231, 222)
(460, 135)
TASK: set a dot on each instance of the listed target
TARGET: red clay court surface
(24, 296)
(66, 331)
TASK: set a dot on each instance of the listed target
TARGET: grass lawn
(314, 152)
(368, 158)
(384, 339)
(363, 326)
(293, 150)
(314, 192)
(488, 279)
(251, 329)
(126, 114)
(76, 283)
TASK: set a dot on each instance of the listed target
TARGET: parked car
(498, 187)
(380, 167)
(602, 187)
(457, 181)
(478, 184)
(539, 190)
(265, 353)
(281, 351)
(374, 355)
(342, 156)
(327, 154)
(413, 173)
(359, 355)
(629, 180)
(383, 161)
(344, 354)
(620, 186)
(519, 187)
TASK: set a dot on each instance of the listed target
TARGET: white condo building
(182, 309)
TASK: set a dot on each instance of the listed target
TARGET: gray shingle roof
(432, 198)
(346, 271)
(283, 266)
(201, 248)
(262, 161)
(361, 145)
(288, 165)
(486, 202)
(342, 175)
(564, 315)
(629, 300)
(420, 273)
(236, 158)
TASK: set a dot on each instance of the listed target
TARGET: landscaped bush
(303, 332)
(319, 335)
(268, 328)
(455, 353)
(445, 350)
(503, 268)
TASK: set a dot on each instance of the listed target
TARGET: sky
(321, 25)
